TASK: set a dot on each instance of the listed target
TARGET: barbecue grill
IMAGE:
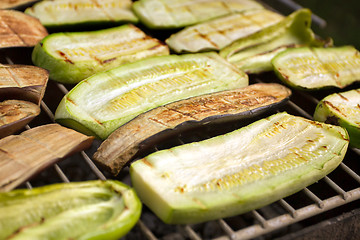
(328, 208)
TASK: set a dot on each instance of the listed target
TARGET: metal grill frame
(262, 224)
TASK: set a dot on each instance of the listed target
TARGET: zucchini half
(316, 68)
(72, 57)
(239, 171)
(159, 14)
(220, 32)
(342, 109)
(78, 210)
(105, 101)
(72, 13)
(253, 53)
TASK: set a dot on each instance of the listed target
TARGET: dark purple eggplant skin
(160, 123)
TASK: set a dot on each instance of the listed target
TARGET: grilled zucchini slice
(75, 13)
(239, 171)
(158, 14)
(342, 109)
(253, 53)
(220, 32)
(316, 68)
(103, 102)
(77, 210)
(72, 57)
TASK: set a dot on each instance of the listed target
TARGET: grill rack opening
(337, 193)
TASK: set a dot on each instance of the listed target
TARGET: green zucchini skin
(239, 171)
(170, 14)
(67, 14)
(72, 57)
(342, 109)
(77, 210)
(318, 68)
(107, 100)
(253, 54)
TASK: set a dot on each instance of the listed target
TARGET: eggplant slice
(119, 148)
(22, 156)
(342, 109)
(72, 57)
(15, 114)
(23, 82)
(19, 30)
(240, 171)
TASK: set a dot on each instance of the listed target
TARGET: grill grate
(287, 215)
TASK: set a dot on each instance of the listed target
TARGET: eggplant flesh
(72, 57)
(105, 101)
(77, 210)
(240, 171)
(315, 68)
(123, 144)
(342, 109)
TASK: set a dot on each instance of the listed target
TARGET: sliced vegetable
(105, 101)
(23, 82)
(22, 156)
(160, 14)
(72, 57)
(77, 210)
(15, 114)
(342, 109)
(19, 30)
(253, 53)
(65, 13)
(118, 149)
(239, 171)
(315, 68)
(220, 32)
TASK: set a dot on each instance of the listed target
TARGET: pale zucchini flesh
(253, 54)
(316, 68)
(65, 13)
(103, 102)
(72, 57)
(342, 109)
(77, 210)
(220, 32)
(239, 171)
(158, 14)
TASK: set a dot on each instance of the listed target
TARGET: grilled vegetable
(315, 68)
(22, 82)
(220, 32)
(7, 4)
(21, 156)
(124, 143)
(105, 101)
(19, 30)
(15, 114)
(239, 171)
(79, 210)
(75, 13)
(72, 57)
(168, 14)
(253, 53)
(342, 109)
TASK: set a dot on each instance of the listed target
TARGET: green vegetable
(75, 13)
(239, 171)
(105, 101)
(159, 14)
(253, 54)
(316, 68)
(83, 210)
(342, 109)
(72, 57)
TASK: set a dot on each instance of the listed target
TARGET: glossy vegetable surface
(239, 171)
(78, 210)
